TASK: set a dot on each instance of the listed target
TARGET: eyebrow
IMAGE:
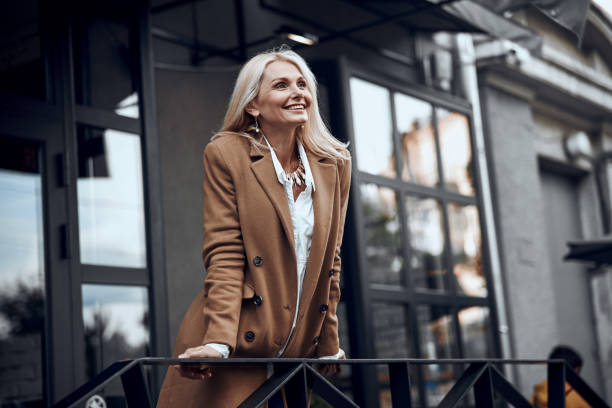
(287, 79)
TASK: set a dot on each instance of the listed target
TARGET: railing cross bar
(135, 388)
(270, 387)
(583, 389)
(326, 390)
(85, 390)
(483, 390)
(463, 385)
(507, 390)
(296, 390)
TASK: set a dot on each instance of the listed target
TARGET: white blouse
(302, 218)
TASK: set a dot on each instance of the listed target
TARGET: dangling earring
(256, 125)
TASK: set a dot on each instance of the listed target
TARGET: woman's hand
(329, 369)
(197, 371)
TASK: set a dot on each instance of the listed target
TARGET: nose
(297, 89)
(297, 92)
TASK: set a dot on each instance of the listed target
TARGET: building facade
(458, 214)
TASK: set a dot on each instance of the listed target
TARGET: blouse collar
(280, 172)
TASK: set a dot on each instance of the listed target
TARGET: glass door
(22, 274)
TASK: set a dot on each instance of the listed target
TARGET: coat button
(315, 341)
(257, 261)
(249, 336)
(323, 308)
(331, 273)
(257, 300)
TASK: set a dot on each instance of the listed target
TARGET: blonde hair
(313, 135)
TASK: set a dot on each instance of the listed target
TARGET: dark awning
(570, 14)
(596, 250)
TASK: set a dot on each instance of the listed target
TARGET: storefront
(105, 113)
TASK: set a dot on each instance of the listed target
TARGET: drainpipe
(469, 80)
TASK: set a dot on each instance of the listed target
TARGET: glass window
(390, 324)
(390, 330)
(383, 250)
(373, 129)
(417, 140)
(110, 196)
(475, 332)
(437, 342)
(22, 275)
(465, 237)
(426, 225)
(116, 321)
(104, 66)
(21, 64)
(456, 151)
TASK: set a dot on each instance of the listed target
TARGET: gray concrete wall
(522, 232)
(190, 108)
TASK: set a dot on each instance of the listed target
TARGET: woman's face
(284, 98)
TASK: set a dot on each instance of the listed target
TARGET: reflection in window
(437, 342)
(426, 225)
(116, 321)
(390, 334)
(22, 276)
(372, 128)
(22, 69)
(417, 140)
(382, 233)
(456, 151)
(475, 332)
(104, 66)
(391, 341)
(110, 194)
(466, 245)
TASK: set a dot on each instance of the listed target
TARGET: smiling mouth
(297, 106)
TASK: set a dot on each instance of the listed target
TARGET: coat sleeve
(222, 252)
(329, 343)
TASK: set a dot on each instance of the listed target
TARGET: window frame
(408, 296)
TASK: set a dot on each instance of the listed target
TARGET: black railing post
(483, 390)
(399, 381)
(135, 388)
(296, 390)
(298, 377)
(556, 384)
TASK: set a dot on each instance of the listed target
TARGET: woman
(276, 187)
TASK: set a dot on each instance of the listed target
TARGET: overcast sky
(606, 5)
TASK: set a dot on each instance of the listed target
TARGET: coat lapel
(266, 176)
(324, 175)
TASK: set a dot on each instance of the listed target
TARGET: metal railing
(297, 376)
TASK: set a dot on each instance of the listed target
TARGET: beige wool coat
(250, 291)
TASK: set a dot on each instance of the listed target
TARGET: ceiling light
(300, 37)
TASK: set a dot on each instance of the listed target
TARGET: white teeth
(295, 107)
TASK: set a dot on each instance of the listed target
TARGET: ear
(251, 109)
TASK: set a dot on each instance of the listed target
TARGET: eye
(280, 85)
(302, 84)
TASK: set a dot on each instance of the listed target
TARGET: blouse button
(331, 273)
(257, 300)
(257, 261)
(249, 336)
(315, 341)
(323, 308)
